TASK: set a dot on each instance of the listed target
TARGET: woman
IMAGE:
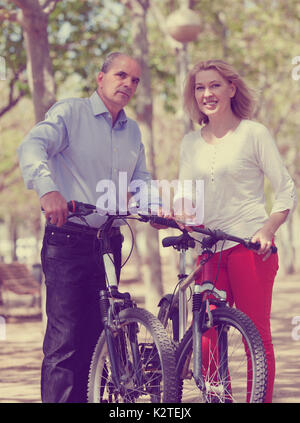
(232, 153)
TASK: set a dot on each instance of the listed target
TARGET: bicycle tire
(157, 361)
(242, 388)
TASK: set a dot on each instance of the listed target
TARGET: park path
(21, 352)
(286, 339)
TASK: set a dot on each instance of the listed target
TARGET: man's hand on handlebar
(55, 207)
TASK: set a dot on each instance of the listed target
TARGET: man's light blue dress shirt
(76, 147)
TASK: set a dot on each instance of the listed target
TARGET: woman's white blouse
(233, 174)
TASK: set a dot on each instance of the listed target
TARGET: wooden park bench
(16, 277)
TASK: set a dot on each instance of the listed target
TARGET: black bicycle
(134, 359)
(221, 357)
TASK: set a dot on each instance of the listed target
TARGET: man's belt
(76, 228)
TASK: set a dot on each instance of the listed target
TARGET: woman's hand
(265, 235)
(184, 221)
(166, 214)
(170, 215)
(265, 239)
(184, 214)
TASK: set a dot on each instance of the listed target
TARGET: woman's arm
(266, 234)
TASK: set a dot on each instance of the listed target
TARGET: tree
(144, 112)
(258, 39)
(33, 17)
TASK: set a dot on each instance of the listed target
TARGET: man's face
(117, 86)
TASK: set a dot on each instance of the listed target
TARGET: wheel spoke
(147, 366)
(244, 371)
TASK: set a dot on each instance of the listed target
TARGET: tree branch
(127, 3)
(4, 185)
(12, 103)
(9, 15)
(11, 100)
(25, 4)
(5, 174)
(49, 6)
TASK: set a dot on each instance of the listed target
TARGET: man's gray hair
(109, 60)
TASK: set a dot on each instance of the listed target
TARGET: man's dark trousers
(74, 274)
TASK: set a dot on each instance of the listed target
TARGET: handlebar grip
(256, 246)
(72, 206)
(78, 207)
(164, 222)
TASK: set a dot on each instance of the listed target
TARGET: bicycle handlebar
(83, 209)
(160, 221)
(214, 235)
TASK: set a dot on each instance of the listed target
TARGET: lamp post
(184, 26)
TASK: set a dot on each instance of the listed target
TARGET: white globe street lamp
(184, 25)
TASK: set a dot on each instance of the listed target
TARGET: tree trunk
(34, 21)
(152, 273)
(287, 256)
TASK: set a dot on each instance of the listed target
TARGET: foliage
(260, 37)
(81, 34)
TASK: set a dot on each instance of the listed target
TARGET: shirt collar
(99, 108)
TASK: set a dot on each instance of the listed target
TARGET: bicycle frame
(204, 296)
(200, 311)
(109, 308)
(110, 316)
(185, 281)
(199, 316)
(135, 366)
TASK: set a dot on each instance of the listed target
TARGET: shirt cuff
(44, 185)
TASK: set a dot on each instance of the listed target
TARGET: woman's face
(213, 93)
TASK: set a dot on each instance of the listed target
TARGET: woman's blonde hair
(242, 103)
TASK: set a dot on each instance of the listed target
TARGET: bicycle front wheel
(146, 362)
(234, 366)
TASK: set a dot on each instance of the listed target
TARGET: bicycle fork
(104, 309)
(203, 319)
(117, 348)
(198, 323)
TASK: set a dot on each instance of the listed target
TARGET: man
(80, 142)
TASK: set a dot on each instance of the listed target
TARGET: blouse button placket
(213, 163)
